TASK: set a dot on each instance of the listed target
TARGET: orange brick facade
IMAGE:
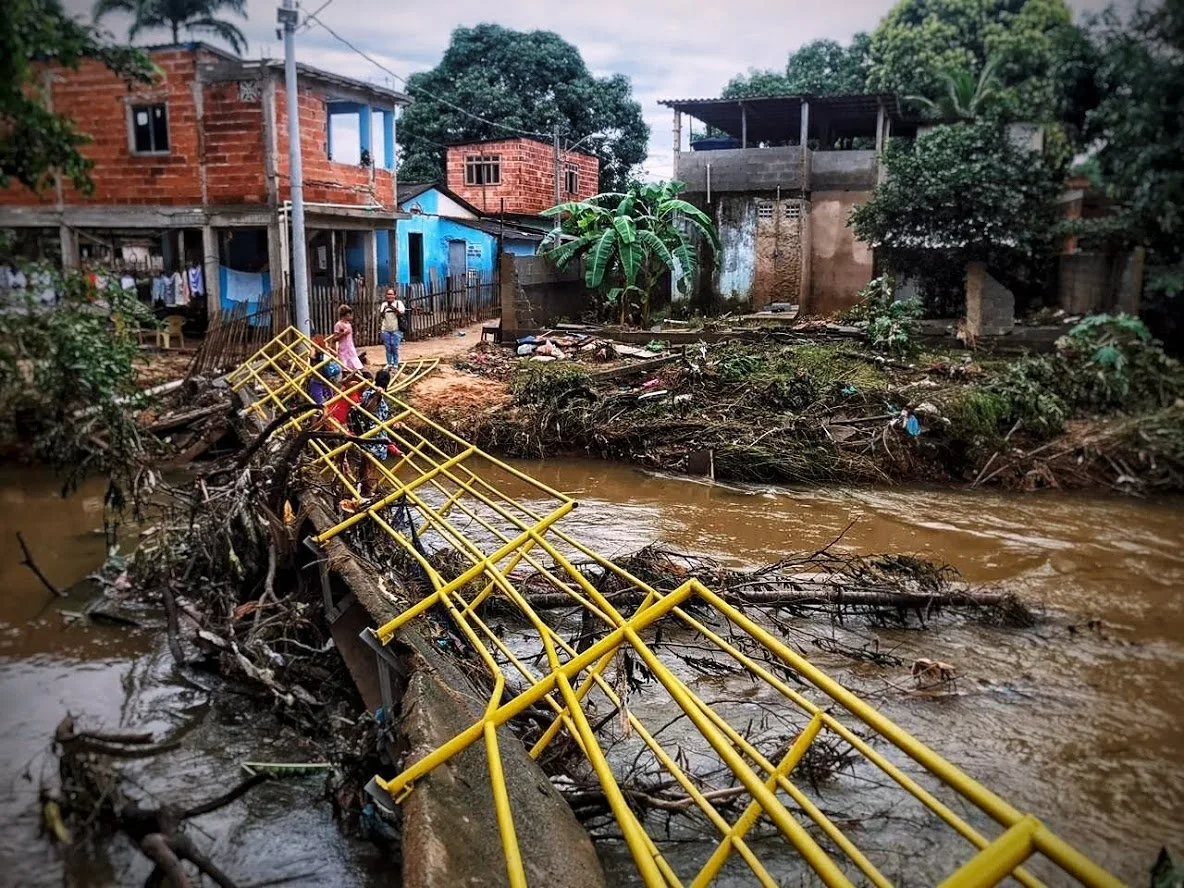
(218, 153)
(97, 101)
(526, 179)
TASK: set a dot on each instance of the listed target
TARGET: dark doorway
(415, 257)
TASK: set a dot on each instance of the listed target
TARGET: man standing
(392, 313)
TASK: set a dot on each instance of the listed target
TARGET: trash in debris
(655, 394)
(526, 349)
(913, 426)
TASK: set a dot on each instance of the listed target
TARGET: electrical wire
(314, 14)
(313, 18)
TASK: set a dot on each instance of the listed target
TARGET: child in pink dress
(343, 337)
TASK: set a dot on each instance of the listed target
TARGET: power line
(319, 9)
(420, 89)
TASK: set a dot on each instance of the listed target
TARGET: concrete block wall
(843, 170)
(535, 294)
(526, 176)
(740, 169)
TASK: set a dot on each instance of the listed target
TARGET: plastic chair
(172, 328)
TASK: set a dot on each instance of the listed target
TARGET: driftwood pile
(92, 796)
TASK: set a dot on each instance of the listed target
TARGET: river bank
(1105, 411)
(1078, 720)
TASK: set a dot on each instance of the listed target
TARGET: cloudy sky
(669, 49)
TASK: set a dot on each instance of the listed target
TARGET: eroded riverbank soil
(825, 413)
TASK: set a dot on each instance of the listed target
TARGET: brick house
(521, 172)
(193, 171)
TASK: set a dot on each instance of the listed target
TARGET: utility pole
(556, 165)
(288, 17)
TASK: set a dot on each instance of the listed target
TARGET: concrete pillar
(880, 127)
(209, 252)
(805, 290)
(743, 126)
(804, 136)
(990, 307)
(388, 138)
(370, 257)
(1130, 288)
(275, 268)
(69, 245)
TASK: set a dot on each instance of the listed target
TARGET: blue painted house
(445, 235)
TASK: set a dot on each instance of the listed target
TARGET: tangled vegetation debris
(1104, 409)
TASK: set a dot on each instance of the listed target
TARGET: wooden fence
(433, 310)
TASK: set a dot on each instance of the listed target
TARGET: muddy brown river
(1084, 728)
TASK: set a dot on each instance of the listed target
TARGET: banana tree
(630, 240)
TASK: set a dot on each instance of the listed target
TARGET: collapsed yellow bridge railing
(501, 522)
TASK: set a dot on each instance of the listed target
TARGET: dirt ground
(446, 390)
(156, 366)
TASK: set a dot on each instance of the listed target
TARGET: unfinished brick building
(193, 171)
(518, 176)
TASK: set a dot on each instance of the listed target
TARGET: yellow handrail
(493, 519)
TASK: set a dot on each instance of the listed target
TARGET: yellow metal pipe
(994, 863)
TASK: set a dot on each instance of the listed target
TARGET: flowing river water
(1081, 723)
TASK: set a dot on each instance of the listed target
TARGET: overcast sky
(669, 49)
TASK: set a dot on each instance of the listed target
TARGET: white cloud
(670, 48)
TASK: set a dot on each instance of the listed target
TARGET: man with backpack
(393, 316)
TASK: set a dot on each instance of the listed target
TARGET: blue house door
(458, 260)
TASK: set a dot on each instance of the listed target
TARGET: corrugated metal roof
(775, 119)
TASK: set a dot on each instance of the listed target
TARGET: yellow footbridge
(499, 520)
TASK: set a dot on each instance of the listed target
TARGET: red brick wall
(527, 176)
(235, 146)
(97, 101)
(325, 181)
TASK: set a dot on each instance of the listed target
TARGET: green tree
(193, 16)
(817, 68)
(67, 377)
(966, 97)
(519, 81)
(1138, 124)
(630, 242)
(1137, 128)
(921, 41)
(756, 83)
(958, 194)
(827, 68)
(35, 142)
